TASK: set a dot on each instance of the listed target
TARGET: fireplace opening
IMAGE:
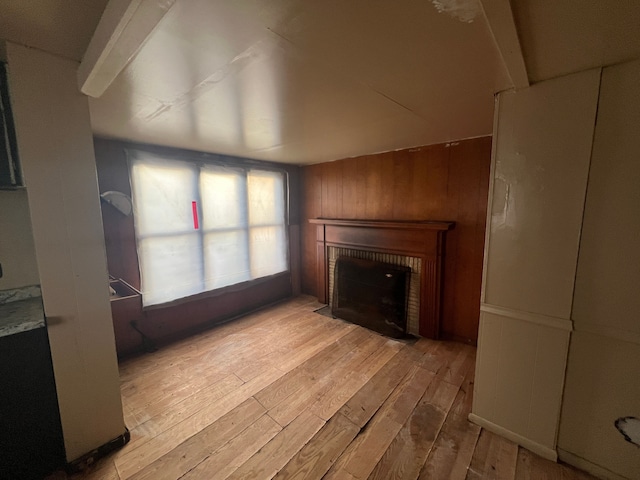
(372, 294)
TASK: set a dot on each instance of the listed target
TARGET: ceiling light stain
(185, 99)
(464, 10)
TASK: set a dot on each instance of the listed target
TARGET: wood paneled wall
(446, 182)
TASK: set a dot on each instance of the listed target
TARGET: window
(200, 227)
(9, 169)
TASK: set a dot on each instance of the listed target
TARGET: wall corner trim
(535, 447)
(582, 464)
(537, 318)
(85, 461)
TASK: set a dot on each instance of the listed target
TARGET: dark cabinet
(126, 310)
(31, 442)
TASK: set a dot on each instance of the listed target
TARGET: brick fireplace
(419, 245)
(415, 264)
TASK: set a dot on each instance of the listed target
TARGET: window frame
(10, 169)
(200, 160)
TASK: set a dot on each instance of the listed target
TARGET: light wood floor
(288, 393)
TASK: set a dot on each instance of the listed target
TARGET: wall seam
(586, 192)
(492, 171)
(575, 276)
(524, 316)
(533, 382)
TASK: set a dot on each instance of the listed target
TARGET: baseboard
(587, 466)
(535, 447)
(457, 338)
(90, 458)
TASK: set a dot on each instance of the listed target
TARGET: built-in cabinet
(543, 145)
(31, 442)
(126, 308)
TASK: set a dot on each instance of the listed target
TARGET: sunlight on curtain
(267, 239)
(239, 235)
(169, 249)
(170, 268)
(268, 251)
(224, 220)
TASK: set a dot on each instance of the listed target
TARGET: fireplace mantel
(421, 239)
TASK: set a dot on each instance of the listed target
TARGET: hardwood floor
(287, 393)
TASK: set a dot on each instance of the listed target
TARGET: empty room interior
(263, 239)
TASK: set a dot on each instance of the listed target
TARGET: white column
(603, 370)
(542, 148)
(56, 151)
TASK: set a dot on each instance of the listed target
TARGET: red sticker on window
(194, 209)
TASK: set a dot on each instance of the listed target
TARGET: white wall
(603, 374)
(542, 147)
(56, 150)
(562, 261)
(17, 253)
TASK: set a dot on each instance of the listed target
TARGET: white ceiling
(303, 82)
(61, 27)
(565, 36)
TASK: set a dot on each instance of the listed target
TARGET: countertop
(21, 316)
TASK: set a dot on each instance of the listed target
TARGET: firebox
(422, 240)
(372, 294)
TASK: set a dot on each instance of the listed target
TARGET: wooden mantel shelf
(421, 239)
(402, 224)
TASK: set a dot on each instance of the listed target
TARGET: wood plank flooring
(289, 394)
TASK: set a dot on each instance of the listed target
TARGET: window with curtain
(200, 227)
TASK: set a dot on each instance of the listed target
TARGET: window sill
(238, 287)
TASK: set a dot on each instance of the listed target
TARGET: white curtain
(199, 228)
(267, 238)
(224, 222)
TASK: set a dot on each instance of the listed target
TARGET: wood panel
(328, 400)
(311, 208)
(410, 242)
(446, 182)
(164, 324)
(470, 179)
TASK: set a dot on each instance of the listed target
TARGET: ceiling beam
(123, 29)
(503, 27)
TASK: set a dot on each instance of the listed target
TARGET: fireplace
(414, 265)
(372, 294)
(422, 242)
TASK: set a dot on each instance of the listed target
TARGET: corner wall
(603, 372)
(562, 271)
(542, 148)
(55, 145)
